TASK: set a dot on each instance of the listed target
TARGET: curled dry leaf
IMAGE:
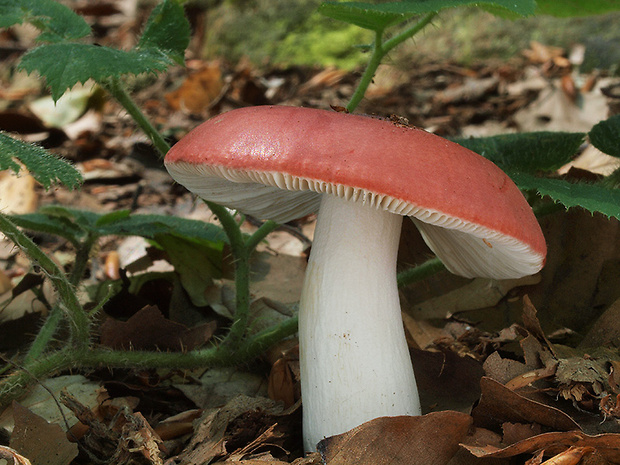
(607, 445)
(12, 456)
(402, 440)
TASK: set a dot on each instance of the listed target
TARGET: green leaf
(605, 136)
(57, 22)
(529, 152)
(377, 17)
(196, 262)
(64, 65)
(112, 217)
(47, 224)
(42, 165)
(167, 29)
(149, 226)
(592, 197)
(566, 8)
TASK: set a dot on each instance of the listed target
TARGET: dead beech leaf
(12, 456)
(199, 89)
(148, 330)
(42, 442)
(607, 445)
(404, 440)
(211, 437)
(498, 404)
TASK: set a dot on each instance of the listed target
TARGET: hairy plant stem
(82, 256)
(241, 250)
(115, 87)
(420, 272)
(222, 355)
(379, 50)
(79, 324)
(45, 334)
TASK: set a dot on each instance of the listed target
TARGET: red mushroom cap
(275, 161)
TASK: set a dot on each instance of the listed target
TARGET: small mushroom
(365, 174)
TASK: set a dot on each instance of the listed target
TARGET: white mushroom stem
(355, 363)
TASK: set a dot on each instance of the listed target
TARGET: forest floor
(509, 373)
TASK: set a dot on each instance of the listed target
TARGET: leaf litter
(491, 387)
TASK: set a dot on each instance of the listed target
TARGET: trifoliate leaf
(592, 197)
(42, 165)
(605, 136)
(167, 29)
(530, 151)
(377, 17)
(56, 22)
(64, 65)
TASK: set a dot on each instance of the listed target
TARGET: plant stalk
(379, 50)
(79, 322)
(115, 87)
(14, 385)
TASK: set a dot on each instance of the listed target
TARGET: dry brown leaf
(42, 442)
(209, 441)
(446, 381)
(607, 445)
(148, 329)
(477, 294)
(498, 405)
(17, 193)
(403, 440)
(12, 456)
(199, 89)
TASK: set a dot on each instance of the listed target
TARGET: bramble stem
(79, 322)
(379, 50)
(115, 87)
(16, 383)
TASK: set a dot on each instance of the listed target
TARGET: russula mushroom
(282, 163)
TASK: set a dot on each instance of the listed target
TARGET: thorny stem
(14, 385)
(379, 50)
(241, 250)
(81, 259)
(79, 322)
(115, 87)
(45, 334)
(420, 272)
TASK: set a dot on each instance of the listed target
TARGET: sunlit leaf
(566, 8)
(377, 17)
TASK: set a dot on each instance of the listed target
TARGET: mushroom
(365, 174)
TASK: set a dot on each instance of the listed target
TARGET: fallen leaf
(42, 442)
(40, 402)
(12, 456)
(479, 293)
(404, 440)
(607, 445)
(198, 90)
(148, 330)
(498, 404)
(211, 436)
